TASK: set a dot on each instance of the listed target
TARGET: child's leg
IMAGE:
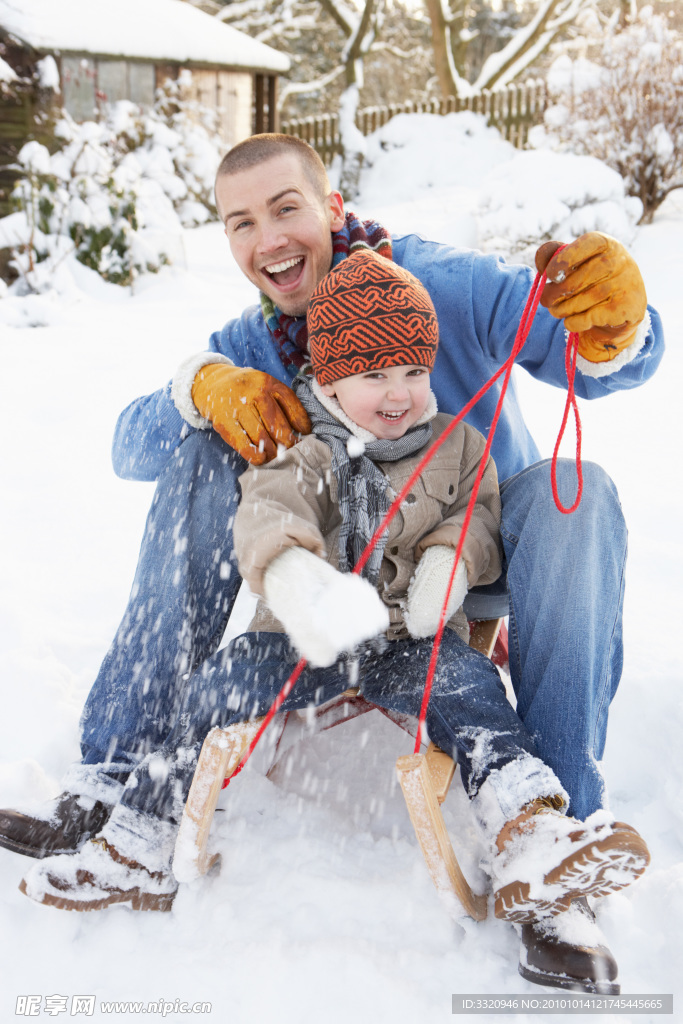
(539, 860)
(469, 717)
(236, 684)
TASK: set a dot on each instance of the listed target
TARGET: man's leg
(130, 860)
(565, 576)
(184, 589)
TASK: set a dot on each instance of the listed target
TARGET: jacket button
(394, 550)
(411, 499)
(451, 488)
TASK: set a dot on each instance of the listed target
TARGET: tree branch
(540, 27)
(336, 14)
(302, 88)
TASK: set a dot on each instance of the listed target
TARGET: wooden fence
(512, 111)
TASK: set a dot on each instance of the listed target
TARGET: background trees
(624, 105)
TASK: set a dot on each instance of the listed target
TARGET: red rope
(570, 366)
(506, 369)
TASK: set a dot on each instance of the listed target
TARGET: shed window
(141, 84)
(112, 80)
(86, 83)
(125, 80)
(78, 87)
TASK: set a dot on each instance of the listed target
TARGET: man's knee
(196, 497)
(531, 493)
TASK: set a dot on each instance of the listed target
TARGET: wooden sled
(424, 779)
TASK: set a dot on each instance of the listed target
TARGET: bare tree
(330, 42)
(626, 108)
(450, 35)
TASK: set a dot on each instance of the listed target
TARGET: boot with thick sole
(63, 827)
(568, 951)
(97, 877)
(546, 860)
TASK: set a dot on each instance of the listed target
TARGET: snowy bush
(117, 193)
(625, 107)
(538, 196)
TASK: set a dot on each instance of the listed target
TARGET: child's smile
(387, 402)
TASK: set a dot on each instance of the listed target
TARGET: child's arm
(482, 548)
(285, 513)
(480, 562)
(324, 612)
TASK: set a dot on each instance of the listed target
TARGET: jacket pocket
(441, 484)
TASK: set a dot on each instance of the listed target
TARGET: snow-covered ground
(323, 910)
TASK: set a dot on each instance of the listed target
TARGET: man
(564, 574)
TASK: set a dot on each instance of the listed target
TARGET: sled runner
(424, 778)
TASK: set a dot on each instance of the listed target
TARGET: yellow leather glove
(595, 286)
(252, 411)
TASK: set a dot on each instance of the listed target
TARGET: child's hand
(323, 611)
(427, 590)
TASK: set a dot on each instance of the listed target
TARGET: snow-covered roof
(154, 30)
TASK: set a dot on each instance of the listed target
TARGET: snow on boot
(568, 951)
(545, 860)
(98, 877)
(62, 826)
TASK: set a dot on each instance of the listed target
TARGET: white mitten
(427, 590)
(324, 611)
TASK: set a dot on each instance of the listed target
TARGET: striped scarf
(290, 333)
(361, 484)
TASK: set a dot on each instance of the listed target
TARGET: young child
(302, 524)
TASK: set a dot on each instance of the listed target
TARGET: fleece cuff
(590, 369)
(181, 386)
(91, 782)
(507, 790)
(140, 837)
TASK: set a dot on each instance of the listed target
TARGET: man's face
(280, 229)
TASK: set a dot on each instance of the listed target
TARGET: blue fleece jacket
(479, 302)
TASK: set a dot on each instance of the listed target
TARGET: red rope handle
(520, 338)
(506, 369)
(570, 354)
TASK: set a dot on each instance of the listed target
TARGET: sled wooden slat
(441, 771)
(220, 755)
(425, 814)
(483, 635)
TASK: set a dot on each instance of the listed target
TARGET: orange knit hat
(366, 314)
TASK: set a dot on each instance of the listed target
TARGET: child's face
(386, 402)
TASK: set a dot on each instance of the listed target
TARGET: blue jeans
(565, 583)
(469, 715)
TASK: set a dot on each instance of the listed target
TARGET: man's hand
(595, 286)
(252, 411)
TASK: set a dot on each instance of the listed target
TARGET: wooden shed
(106, 51)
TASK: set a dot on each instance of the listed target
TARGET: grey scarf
(361, 484)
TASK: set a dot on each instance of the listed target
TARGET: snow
(6, 72)
(323, 909)
(48, 73)
(163, 30)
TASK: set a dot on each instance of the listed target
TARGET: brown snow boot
(96, 877)
(568, 951)
(65, 824)
(545, 860)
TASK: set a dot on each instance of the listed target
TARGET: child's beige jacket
(293, 501)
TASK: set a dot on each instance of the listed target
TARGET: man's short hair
(259, 148)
